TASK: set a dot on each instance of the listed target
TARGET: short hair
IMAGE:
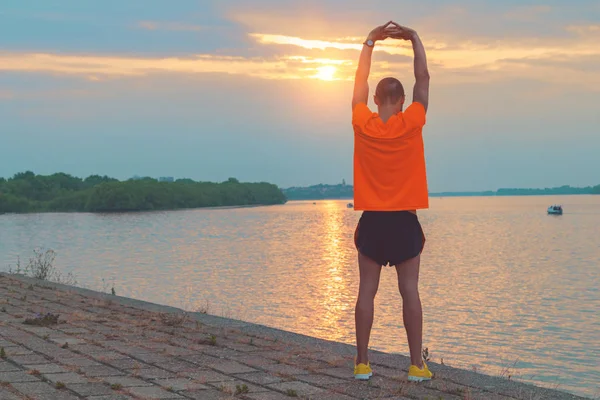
(389, 91)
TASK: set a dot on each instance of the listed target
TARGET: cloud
(528, 13)
(169, 26)
(460, 20)
(311, 20)
(334, 56)
(585, 30)
(6, 94)
(94, 67)
(467, 55)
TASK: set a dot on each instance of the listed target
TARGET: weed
(225, 389)
(241, 389)
(60, 385)
(136, 369)
(42, 320)
(399, 390)
(425, 354)
(203, 309)
(170, 389)
(172, 319)
(35, 372)
(116, 386)
(251, 343)
(2, 353)
(65, 346)
(457, 391)
(291, 393)
(30, 287)
(507, 371)
(113, 291)
(212, 340)
(41, 266)
(17, 271)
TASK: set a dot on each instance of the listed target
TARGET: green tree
(94, 180)
(27, 192)
(14, 204)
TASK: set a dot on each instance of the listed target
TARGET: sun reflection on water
(334, 284)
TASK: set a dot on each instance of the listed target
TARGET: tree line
(27, 192)
(320, 192)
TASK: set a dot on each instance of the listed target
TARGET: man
(390, 185)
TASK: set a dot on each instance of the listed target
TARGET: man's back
(389, 160)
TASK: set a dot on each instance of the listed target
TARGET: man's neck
(386, 112)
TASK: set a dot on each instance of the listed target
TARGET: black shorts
(389, 237)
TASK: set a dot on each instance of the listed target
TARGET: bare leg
(370, 272)
(408, 283)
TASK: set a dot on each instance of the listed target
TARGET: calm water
(503, 284)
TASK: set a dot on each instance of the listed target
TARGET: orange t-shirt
(389, 160)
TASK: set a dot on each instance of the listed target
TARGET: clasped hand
(392, 30)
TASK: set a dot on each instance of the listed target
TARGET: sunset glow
(326, 72)
(334, 58)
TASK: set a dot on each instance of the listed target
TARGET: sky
(261, 90)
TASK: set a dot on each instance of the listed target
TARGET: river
(505, 287)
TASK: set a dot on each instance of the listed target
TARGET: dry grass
(173, 319)
(204, 308)
(507, 372)
(43, 320)
(136, 369)
(41, 266)
(285, 376)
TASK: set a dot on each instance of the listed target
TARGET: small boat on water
(350, 205)
(555, 210)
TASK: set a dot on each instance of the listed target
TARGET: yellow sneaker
(415, 374)
(363, 372)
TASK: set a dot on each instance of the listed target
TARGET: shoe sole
(418, 379)
(363, 377)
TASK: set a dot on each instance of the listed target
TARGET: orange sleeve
(415, 115)
(360, 115)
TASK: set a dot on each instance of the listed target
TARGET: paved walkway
(106, 347)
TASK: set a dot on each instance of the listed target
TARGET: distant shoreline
(343, 191)
(507, 195)
(438, 195)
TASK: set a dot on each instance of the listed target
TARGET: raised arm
(421, 89)
(361, 84)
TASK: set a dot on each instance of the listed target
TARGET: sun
(326, 72)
